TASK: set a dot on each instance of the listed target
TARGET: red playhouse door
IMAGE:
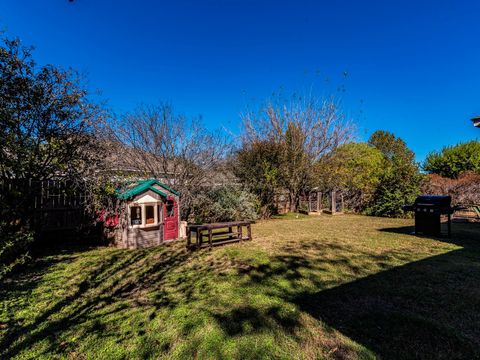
(170, 219)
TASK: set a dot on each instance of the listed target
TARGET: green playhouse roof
(140, 186)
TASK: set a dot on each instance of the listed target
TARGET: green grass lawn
(310, 287)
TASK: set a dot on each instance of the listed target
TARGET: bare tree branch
(172, 148)
(307, 128)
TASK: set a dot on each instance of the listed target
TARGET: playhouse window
(136, 215)
(149, 215)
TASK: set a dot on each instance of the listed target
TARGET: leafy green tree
(354, 168)
(257, 165)
(399, 185)
(47, 123)
(451, 161)
(46, 120)
(400, 181)
(47, 131)
(392, 147)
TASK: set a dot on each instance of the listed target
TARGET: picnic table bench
(218, 233)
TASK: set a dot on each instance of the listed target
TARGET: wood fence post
(334, 202)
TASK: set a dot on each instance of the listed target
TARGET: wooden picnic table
(218, 233)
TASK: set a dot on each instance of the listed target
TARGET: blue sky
(413, 66)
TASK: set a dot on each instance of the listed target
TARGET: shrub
(463, 190)
(453, 160)
(400, 180)
(398, 186)
(257, 166)
(14, 245)
(225, 203)
(354, 168)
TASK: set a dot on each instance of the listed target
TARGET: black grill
(428, 210)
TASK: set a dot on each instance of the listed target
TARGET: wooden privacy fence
(55, 204)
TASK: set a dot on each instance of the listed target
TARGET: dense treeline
(377, 177)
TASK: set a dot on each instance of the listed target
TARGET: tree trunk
(293, 196)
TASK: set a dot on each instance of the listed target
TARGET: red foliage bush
(463, 190)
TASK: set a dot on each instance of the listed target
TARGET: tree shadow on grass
(99, 282)
(426, 309)
(249, 319)
(463, 234)
(103, 285)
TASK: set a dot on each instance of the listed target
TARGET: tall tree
(391, 146)
(47, 131)
(305, 129)
(296, 166)
(158, 143)
(401, 180)
(257, 165)
(47, 124)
